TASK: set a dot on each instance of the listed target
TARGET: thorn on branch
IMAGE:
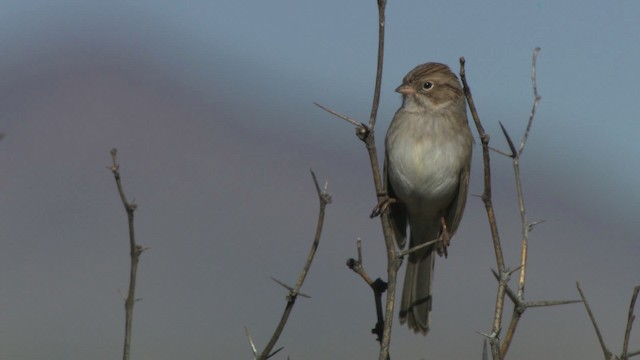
(292, 291)
(337, 114)
(491, 338)
(514, 270)
(500, 152)
(275, 352)
(512, 148)
(532, 224)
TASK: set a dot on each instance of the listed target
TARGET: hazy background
(210, 106)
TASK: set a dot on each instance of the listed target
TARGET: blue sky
(210, 106)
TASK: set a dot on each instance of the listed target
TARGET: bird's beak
(405, 90)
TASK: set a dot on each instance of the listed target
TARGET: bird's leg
(445, 239)
(382, 205)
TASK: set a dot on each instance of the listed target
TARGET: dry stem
(135, 251)
(488, 204)
(366, 133)
(294, 292)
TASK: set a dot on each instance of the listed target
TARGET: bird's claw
(382, 206)
(445, 239)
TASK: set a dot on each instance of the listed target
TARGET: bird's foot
(382, 206)
(445, 239)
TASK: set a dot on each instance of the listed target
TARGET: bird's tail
(416, 295)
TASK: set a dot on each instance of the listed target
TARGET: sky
(210, 105)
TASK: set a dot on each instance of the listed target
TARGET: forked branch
(608, 355)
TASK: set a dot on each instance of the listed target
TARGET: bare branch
(366, 133)
(605, 350)
(135, 251)
(376, 93)
(536, 98)
(630, 318)
(529, 304)
(406, 252)
(378, 287)
(368, 137)
(324, 198)
(358, 266)
(488, 204)
(526, 226)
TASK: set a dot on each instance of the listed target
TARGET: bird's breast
(425, 160)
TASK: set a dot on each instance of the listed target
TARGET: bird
(428, 149)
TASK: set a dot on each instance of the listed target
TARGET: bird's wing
(455, 210)
(397, 210)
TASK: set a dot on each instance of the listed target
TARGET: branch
(393, 262)
(536, 100)
(324, 198)
(526, 226)
(605, 350)
(366, 133)
(378, 287)
(499, 352)
(488, 204)
(135, 251)
(625, 347)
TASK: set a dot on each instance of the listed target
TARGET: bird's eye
(427, 85)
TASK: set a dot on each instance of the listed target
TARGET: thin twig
(530, 304)
(376, 93)
(366, 133)
(135, 251)
(324, 198)
(378, 287)
(536, 100)
(516, 170)
(358, 266)
(408, 251)
(526, 226)
(393, 262)
(630, 318)
(605, 350)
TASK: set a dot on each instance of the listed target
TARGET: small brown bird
(427, 164)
